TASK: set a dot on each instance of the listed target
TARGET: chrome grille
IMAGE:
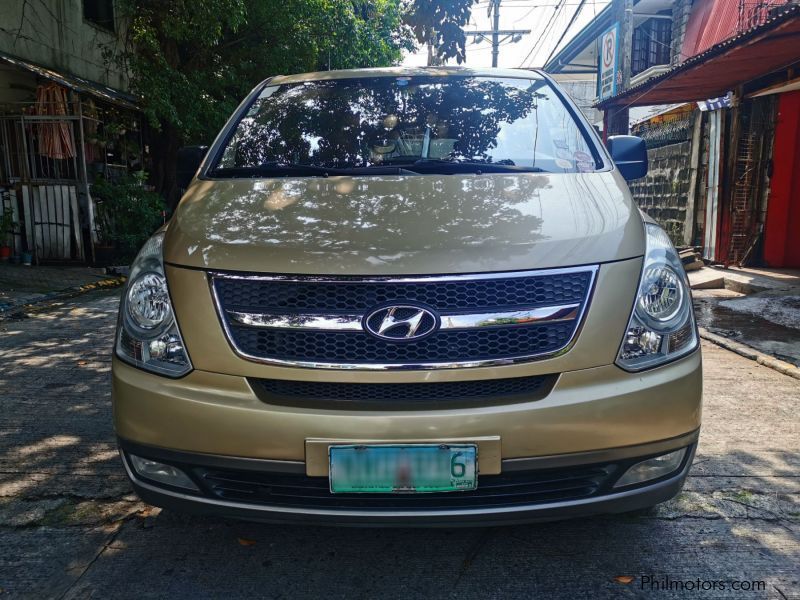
(483, 319)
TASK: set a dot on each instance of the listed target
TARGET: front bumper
(590, 418)
(280, 492)
(586, 410)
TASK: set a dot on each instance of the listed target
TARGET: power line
(527, 14)
(544, 33)
(566, 30)
(495, 32)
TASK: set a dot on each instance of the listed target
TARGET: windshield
(424, 124)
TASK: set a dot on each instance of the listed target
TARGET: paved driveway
(70, 528)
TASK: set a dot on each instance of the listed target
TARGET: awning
(73, 82)
(770, 47)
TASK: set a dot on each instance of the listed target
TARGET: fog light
(652, 468)
(161, 473)
(640, 342)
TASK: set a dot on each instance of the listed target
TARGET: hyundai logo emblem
(401, 322)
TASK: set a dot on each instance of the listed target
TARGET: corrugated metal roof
(761, 50)
(75, 83)
(714, 21)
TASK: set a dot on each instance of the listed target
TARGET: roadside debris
(692, 259)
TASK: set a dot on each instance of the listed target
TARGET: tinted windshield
(379, 121)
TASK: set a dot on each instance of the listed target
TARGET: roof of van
(406, 72)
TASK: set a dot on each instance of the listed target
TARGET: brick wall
(663, 193)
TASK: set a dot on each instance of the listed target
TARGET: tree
(192, 61)
(440, 23)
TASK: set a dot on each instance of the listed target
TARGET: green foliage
(7, 224)
(127, 213)
(441, 24)
(192, 61)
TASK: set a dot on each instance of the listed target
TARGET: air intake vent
(431, 395)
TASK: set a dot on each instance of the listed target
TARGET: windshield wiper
(287, 169)
(270, 168)
(478, 166)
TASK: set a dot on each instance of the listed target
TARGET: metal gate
(42, 172)
(749, 175)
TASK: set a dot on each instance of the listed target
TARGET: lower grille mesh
(508, 489)
(524, 388)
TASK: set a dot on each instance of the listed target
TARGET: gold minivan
(410, 296)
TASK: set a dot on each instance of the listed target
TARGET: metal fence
(41, 174)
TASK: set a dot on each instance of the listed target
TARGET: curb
(751, 353)
(10, 311)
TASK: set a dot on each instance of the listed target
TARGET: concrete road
(70, 528)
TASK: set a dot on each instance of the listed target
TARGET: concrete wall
(663, 194)
(53, 33)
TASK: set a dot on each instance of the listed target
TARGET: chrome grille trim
(579, 317)
(318, 322)
(549, 314)
(402, 279)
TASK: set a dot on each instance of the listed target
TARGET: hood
(405, 224)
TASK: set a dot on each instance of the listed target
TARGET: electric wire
(566, 30)
(544, 35)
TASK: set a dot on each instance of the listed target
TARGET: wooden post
(84, 181)
(728, 180)
(694, 165)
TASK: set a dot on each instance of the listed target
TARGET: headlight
(148, 301)
(661, 327)
(147, 333)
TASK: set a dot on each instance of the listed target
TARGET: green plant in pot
(127, 214)
(7, 224)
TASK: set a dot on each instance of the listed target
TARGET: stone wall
(663, 194)
(681, 10)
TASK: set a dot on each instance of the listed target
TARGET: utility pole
(495, 32)
(495, 28)
(617, 116)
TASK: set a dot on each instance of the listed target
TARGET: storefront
(748, 194)
(58, 133)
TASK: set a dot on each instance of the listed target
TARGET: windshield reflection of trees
(341, 123)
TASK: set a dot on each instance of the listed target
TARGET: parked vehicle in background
(408, 296)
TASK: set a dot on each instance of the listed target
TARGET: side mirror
(189, 159)
(629, 154)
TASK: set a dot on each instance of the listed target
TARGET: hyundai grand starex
(410, 297)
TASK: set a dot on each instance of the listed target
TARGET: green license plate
(397, 468)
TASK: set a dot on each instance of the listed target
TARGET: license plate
(390, 468)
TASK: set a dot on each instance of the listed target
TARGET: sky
(546, 19)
